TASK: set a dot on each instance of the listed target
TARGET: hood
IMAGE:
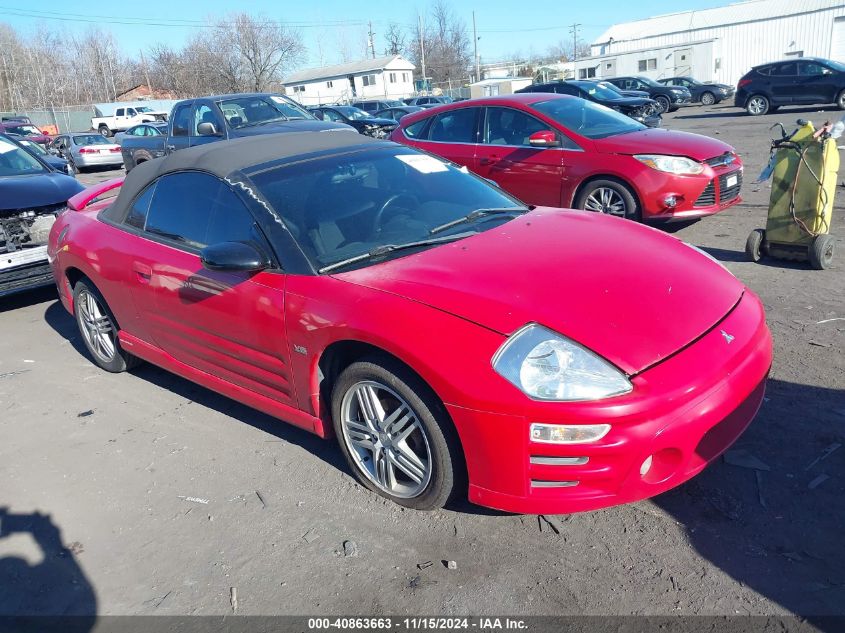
(628, 292)
(670, 142)
(300, 125)
(38, 190)
(628, 102)
(373, 120)
(56, 163)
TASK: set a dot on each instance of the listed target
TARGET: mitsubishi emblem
(728, 337)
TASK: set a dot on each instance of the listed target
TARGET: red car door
(532, 174)
(454, 135)
(227, 324)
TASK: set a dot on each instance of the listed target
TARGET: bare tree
(396, 40)
(446, 42)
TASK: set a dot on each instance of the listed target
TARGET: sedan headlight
(545, 365)
(680, 165)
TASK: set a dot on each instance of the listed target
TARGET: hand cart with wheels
(805, 166)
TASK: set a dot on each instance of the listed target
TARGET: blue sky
(504, 26)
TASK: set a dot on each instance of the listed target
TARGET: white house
(719, 44)
(390, 77)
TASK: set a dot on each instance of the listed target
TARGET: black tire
(119, 360)
(840, 100)
(821, 252)
(708, 98)
(754, 244)
(632, 208)
(446, 464)
(104, 130)
(758, 105)
(73, 168)
(663, 102)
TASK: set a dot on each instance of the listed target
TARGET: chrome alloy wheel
(385, 439)
(757, 105)
(96, 326)
(606, 200)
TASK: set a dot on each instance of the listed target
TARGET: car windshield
(347, 206)
(587, 118)
(249, 111)
(16, 161)
(33, 146)
(91, 139)
(23, 130)
(353, 113)
(143, 109)
(649, 82)
(599, 91)
(837, 66)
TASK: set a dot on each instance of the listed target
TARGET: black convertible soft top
(224, 158)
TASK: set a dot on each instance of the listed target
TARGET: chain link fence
(66, 119)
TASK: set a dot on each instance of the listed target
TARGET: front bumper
(683, 412)
(714, 191)
(24, 270)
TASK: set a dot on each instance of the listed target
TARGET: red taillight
(87, 150)
(742, 83)
(115, 149)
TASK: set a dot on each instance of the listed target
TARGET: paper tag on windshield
(422, 163)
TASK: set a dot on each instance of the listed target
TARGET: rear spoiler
(85, 197)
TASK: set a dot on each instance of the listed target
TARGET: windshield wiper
(472, 216)
(266, 121)
(386, 249)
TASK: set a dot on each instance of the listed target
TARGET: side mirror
(544, 138)
(207, 129)
(233, 256)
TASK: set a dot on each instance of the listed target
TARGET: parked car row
(804, 81)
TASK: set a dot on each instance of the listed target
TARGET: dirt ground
(142, 493)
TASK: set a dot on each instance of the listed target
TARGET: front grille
(708, 196)
(726, 194)
(27, 276)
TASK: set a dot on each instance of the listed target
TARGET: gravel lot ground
(142, 493)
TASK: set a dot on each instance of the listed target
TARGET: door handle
(143, 272)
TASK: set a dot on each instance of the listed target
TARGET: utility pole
(475, 44)
(574, 30)
(372, 40)
(422, 48)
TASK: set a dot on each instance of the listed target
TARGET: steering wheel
(392, 200)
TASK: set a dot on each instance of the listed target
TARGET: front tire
(758, 105)
(99, 329)
(396, 435)
(610, 197)
(840, 100)
(708, 98)
(663, 102)
(821, 252)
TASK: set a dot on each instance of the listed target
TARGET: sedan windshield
(587, 118)
(649, 82)
(16, 161)
(837, 66)
(354, 114)
(91, 139)
(599, 91)
(380, 203)
(249, 111)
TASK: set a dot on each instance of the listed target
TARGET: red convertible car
(451, 339)
(562, 151)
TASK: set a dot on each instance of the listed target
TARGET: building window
(393, 78)
(329, 84)
(587, 73)
(298, 89)
(369, 80)
(647, 64)
(405, 77)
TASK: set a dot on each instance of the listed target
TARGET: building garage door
(837, 40)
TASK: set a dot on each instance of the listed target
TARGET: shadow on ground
(51, 583)
(728, 112)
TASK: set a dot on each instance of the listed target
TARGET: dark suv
(670, 98)
(804, 81)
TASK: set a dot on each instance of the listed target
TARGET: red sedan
(449, 337)
(562, 151)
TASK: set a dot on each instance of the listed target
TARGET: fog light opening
(671, 201)
(661, 465)
(646, 465)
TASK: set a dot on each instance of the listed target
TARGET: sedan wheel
(99, 330)
(663, 102)
(757, 105)
(395, 435)
(610, 197)
(708, 99)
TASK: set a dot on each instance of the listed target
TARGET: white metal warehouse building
(720, 44)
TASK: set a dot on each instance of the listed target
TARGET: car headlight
(545, 365)
(677, 91)
(680, 165)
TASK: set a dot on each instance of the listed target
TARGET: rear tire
(604, 196)
(396, 435)
(104, 130)
(754, 245)
(758, 105)
(99, 329)
(840, 100)
(821, 252)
